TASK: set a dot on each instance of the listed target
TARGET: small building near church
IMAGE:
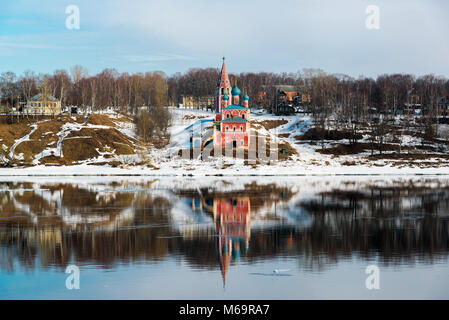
(203, 102)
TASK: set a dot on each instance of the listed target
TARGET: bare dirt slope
(67, 140)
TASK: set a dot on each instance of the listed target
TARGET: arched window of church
(228, 115)
(241, 128)
(243, 116)
(234, 128)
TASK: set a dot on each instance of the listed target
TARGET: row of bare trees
(77, 88)
(347, 97)
(203, 82)
(355, 103)
(341, 93)
(111, 88)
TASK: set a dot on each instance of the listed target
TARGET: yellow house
(4, 106)
(43, 105)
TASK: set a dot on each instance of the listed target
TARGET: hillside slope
(69, 140)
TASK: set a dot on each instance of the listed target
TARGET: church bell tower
(223, 87)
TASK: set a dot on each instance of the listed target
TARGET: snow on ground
(66, 130)
(125, 127)
(19, 141)
(199, 168)
(308, 161)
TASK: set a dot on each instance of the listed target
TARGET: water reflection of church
(232, 218)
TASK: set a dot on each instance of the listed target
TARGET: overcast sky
(254, 35)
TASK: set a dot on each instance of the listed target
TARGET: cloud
(29, 45)
(155, 58)
(322, 33)
(255, 35)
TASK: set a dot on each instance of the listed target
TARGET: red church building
(231, 128)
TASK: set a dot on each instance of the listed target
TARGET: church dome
(246, 97)
(225, 97)
(235, 91)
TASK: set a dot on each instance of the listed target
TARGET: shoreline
(275, 171)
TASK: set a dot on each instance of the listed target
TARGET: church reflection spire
(232, 217)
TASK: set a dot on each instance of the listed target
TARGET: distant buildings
(8, 105)
(204, 102)
(4, 106)
(443, 106)
(285, 99)
(291, 95)
(43, 105)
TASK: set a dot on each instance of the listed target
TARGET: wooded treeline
(76, 88)
(348, 95)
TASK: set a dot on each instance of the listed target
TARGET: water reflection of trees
(400, 225)
(106, 241)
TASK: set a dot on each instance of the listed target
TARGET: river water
(224, 237)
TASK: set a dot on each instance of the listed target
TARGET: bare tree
(152, 125)
(78, 72)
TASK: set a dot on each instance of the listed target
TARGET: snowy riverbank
(305, 158)
(198, 168)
